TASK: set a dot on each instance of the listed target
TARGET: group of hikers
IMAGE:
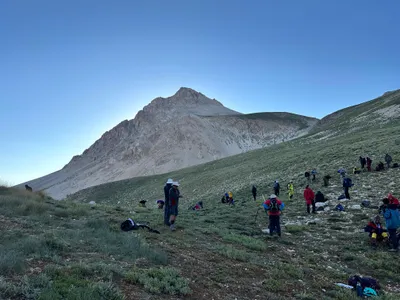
(389, 209)
(274, 206)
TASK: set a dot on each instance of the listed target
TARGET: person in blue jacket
(392, 218)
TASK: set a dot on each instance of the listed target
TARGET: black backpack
(274, 205)
(347, 182)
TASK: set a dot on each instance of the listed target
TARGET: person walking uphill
(369, 164)
(309, 197)
(273, 206)
(392, 218)
(174, 196)
(167, 187)
(277, 187)
(254, 192)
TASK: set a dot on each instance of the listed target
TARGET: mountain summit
(171, 133)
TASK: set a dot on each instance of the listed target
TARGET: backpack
(307, 174)
(347, 182)
(274, 205)
(276, 186)
(364, 281)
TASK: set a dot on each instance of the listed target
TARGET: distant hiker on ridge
(273, 206)
(254, 192)
(277, 187)
(388, 160)
(167, 187)
(28, 188)
(310, 199)
(174, 196)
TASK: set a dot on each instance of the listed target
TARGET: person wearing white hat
(167, 187)
(273, 206)
(174, 196)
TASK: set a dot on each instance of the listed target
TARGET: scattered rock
(92, 203)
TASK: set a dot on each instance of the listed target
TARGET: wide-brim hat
(175, 183)
(273, 196)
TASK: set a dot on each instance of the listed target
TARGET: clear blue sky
(70, 70)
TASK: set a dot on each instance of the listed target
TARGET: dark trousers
(274, 225)
(255, 196)
(313, 207)
(166, 215)
(393, 238)
(276, 192)
(346, 192)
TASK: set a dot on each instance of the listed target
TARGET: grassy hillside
(371, 113)
(73, 250)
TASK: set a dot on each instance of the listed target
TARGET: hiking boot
(172, 227)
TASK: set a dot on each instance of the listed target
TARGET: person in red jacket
(309, 197)
(393, 200)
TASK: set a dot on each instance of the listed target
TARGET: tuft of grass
(248, 242)
(233, 253)
(160, 281)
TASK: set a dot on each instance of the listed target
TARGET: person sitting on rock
(198, 206)
(380, 167)
(230, 199)
(160, 204)
(376, 231)
(319, 197)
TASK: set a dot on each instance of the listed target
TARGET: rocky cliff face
(171, 133)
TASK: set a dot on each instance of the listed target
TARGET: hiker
(290, 187)
(356, 170)
(160, 204)
(319, 197)
(309, 197)
(369, 164)
(363, 161)
(273, 207)
(254, 192)
(198, 206)
(277, 187)
(388, 160)
(342, 172)
(380, 167)
(230, 198)
(326, 180)
(174, 196)
(393, 200)
(392, 218)
(347, 183)
(167, 187)
(28, 188)
(142, 203)
(313, 173)
(376, 231)
(307, 175)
